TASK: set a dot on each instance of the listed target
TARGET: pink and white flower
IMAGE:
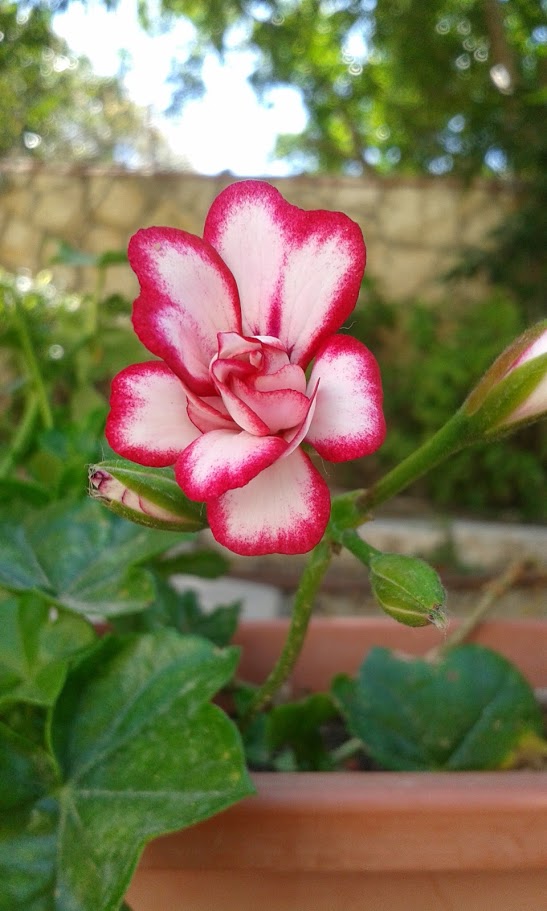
(236, 318)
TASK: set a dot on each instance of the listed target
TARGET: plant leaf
(25, 768)
(182, 611)
(35, 648)
(469, 711)
(82, 557)
(297, 725)
(142, 753)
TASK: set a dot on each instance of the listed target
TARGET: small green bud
(408, 589)
(146, 496)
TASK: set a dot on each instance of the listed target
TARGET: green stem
(448, 440)
(310, 582)
(33, 366)
(357, 546)
(22, 436)
(346, 750)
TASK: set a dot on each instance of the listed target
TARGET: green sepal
(156, 488)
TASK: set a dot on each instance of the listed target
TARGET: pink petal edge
(298, 272)
(187, 296)
(223, 460)
(148, 422)
(284, 510)
(348, 421)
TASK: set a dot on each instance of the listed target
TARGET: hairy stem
(310, 582)
(448, 440)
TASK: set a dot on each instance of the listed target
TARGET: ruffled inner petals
(279, 409)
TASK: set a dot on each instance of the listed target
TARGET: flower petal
(289, 377)
(241, 413)
(187, 297)
(208, 413)
(284, 510)
(348, 420)
(223, 459)
(280, 409)
(298, 272)
(148, 422)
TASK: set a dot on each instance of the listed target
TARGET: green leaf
(142, 753)
(469, 711)
(35, 647)
(182, 611)
(81, 557)
(208, 564)
(297, 725)
(25, 770)
(12, 489)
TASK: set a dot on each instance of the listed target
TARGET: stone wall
(414, 228)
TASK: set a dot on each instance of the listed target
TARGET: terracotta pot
(375, 841)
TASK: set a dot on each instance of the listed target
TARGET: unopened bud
(408, 589)
(146, 496)
(514, 390)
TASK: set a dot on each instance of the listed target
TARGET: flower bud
(408, 589)
(514, 390)
(146, 496)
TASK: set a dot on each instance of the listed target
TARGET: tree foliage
(406, 86)
(389, 86)
(444, 86)
(53, 106)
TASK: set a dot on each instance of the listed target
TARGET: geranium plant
(108, 736)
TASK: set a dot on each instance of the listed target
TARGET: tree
(410, 86)
(53, 106)
(397, 85)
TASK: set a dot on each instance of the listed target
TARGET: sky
(227, 130)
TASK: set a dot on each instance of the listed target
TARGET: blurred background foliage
(430, 358)
(391, 87)
(54, 108)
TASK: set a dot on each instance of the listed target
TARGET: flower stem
(454, 435)
(22, 436)
(33, 367)
(358, 546)
(347, 750)
(310, 582)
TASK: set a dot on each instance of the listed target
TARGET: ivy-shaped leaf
(82, 557)
(182, 611)
(35, 647)
(471, 710)
(138, 751)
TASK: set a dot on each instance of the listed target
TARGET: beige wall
(413, 227)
